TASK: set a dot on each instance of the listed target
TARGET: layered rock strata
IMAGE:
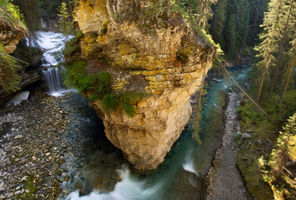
(11, 30)
(147, 46)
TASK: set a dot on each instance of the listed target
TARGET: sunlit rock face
(10, 32)
(147, 47)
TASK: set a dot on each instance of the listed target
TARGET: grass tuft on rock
(99, 87)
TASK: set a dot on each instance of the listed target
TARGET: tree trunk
(287, 81)
(262, 81)
(281, 48)
(30, 46)
(169, 7)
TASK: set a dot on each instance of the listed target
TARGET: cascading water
(180, 176)
(53, 79)
(53, 45)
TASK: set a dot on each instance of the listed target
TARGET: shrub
(72, 46)
(75, 74)
(101, 84)
(128, 100)
(110, 102)
(9, 77)
(98, 87)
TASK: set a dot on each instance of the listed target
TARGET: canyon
(159, 54)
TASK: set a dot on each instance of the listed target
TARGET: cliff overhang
(147, 47)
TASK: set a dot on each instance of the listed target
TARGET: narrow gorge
(147, 99)
(158, 54)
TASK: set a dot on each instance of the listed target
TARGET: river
(180, 177)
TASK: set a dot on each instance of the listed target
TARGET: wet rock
(246, 136)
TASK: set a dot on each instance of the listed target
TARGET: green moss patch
(97, 86)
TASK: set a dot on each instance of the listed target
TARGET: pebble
(39, 148)
(246, 136)
(18, 137)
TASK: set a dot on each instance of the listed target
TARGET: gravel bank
(47, 145)
(225, 181)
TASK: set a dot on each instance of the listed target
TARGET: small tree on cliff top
(64, 22)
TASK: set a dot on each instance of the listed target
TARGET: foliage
(252, 117)
(197, 20)
(72, 46)
(11, 13)
(31, 12)
(218, 22)
(98, 87)
(65, 24)
(276, 171)
(230, 38)
(9, 77)
(199, 11)
(128, 99)
(110, 102)
(276, 42)
(49, 8)
(240, 19)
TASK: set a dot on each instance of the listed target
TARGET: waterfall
(53, 79)
(53, 45)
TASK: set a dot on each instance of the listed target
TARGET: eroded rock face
(10, 33)
(147, 47)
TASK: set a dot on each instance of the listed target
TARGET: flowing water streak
(53, 44)
(130, 187)
(181, 172)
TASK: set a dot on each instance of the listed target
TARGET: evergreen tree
(64, 22)
(230, 36)
(289, 71)
(242, 22)
(269, 45)
(204, 12)
(217, 26)
(9, 76)
(257, 9)
(287, 29)
(31, 13)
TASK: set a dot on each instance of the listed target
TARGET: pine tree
(218, 23)
(287, 29)
(269, 44)
(257, 9)
(230, 36)
(289, 71)
(242, 22)
(31, 13)
(204, 12)
(9, 76)
(64, 22)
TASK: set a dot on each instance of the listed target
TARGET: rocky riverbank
(45, 148)
(224, 179)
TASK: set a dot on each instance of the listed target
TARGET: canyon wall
(147, 46)
(11, 30)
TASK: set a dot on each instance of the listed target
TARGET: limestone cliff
(11, 28)
(147, 46)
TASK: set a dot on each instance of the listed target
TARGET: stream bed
(54, 147)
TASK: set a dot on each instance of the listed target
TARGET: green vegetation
(252, 117)
(268, 169)
(72, 46)
(273, 85)
(30, 188)
(11, 13)
(9, 77)
(277, 46)
(197, 13)
(65, 25)
(98, 87)
(278, 171)
(235, 25)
